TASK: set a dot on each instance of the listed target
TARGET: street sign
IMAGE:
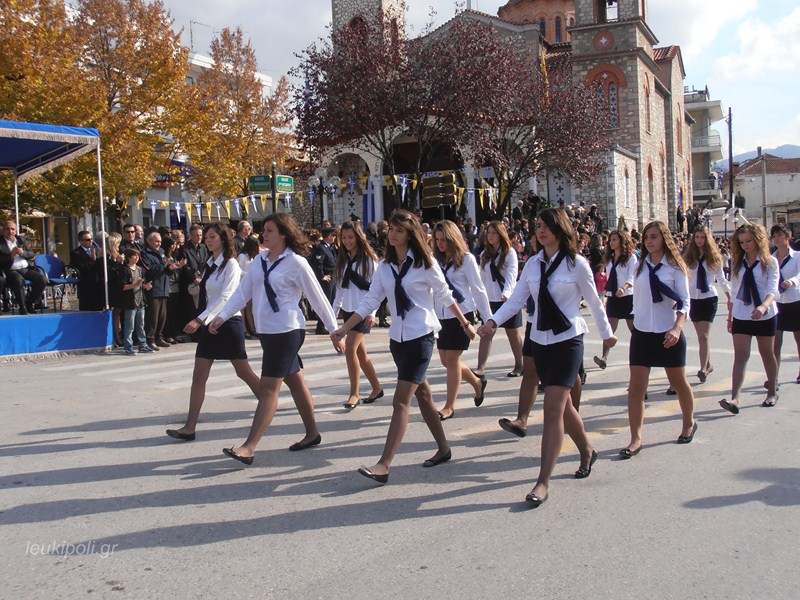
(263, 183)
(260, 183)
(285, 184)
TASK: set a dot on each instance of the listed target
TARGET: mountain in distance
(784, 151)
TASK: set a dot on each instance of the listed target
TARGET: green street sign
(285, 184)
(260, 183)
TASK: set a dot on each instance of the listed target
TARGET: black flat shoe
(186, 437)
(481, 377)
(508, 426)
(584, 473)
(731, 408)
(514, 373)
(248, 460)
(687, 439)
(479, 399)
(671, 392)
(702, 376)
(600, 362)
(450, 416)
(432, 462)
(382, 479)
(351, 405)
(770, 401)
(628, 453)
(534, 500)
(372, 399)
(305, 445)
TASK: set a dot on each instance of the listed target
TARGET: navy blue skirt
(704, 309)
(789, 316)
(514, 322)
(619, 308)
(361, 327)
(412, 358)
(527, 342)
(760, 328)
(281, 353)
(647, 350)
(559, 364)
(452, 335)
(226, 344)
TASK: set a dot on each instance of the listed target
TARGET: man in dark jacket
(84, 260)
(196, 255)
(323, 261)
(155, 316)
(16, 263)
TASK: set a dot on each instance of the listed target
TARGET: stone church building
(613, 50)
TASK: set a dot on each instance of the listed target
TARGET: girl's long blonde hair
(737, 254)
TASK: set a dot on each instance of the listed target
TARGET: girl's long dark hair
(364, 252)
(626, 247)
(287, 226)
(417, 240)
(228, 247)
(670, 248)
(456, 245)
(558, 222)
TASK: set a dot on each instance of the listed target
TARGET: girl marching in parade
(620, 263)
(660, 305)
(220, 279)
(704, 261)
(557, 277)
(788, 290)
(275, 284)
(752, 312)
(410, 278)
(464, 279)
(355, 265)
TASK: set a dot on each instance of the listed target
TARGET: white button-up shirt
(509, 271)
(567, 285)
(791, 272)
(467, 280)
(350, 297)
(292, 278)
(659, 317)
(625, 274)
(422, 286)
(220, 286)
(766, 284)
(717, 276)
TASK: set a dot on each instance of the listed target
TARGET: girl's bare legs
(515, 341)
(637, 386)
(368, 368)
(304, 403)
(766, 348)
(679, 383)
(741, 354)
(484, 349)
(352, 343)
(401, 402)
(703, 329)
(557, 409)
(197, 394)
(265, 412)
(456, 373)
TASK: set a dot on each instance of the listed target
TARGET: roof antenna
(191, 33)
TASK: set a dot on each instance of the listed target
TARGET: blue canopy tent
(28, 149)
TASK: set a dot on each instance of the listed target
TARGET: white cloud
(695, 26)
(764, 47)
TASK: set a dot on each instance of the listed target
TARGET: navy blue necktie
(748, 291)
(658, 288)
(496, 275)
(401, 299)
(702, 278)
(530, 305)
(459, 297)
(202, 301)
(611, 284)
(550, 316)
(351, 275)
(780, 272)
(271, 295)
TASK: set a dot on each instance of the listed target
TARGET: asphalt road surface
(95, 501)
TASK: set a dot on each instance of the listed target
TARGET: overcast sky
(746, 51)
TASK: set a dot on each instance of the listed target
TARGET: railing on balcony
(706, 187)
(712, 140)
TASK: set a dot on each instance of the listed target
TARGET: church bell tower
(344, 11)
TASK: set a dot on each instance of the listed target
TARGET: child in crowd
(600, 281)
(133, 302)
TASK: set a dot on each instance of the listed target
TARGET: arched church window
(558, 30)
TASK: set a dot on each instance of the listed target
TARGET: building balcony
(705, 190)
(710, 144)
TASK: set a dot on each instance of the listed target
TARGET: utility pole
(730, 159)
(763, 188)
